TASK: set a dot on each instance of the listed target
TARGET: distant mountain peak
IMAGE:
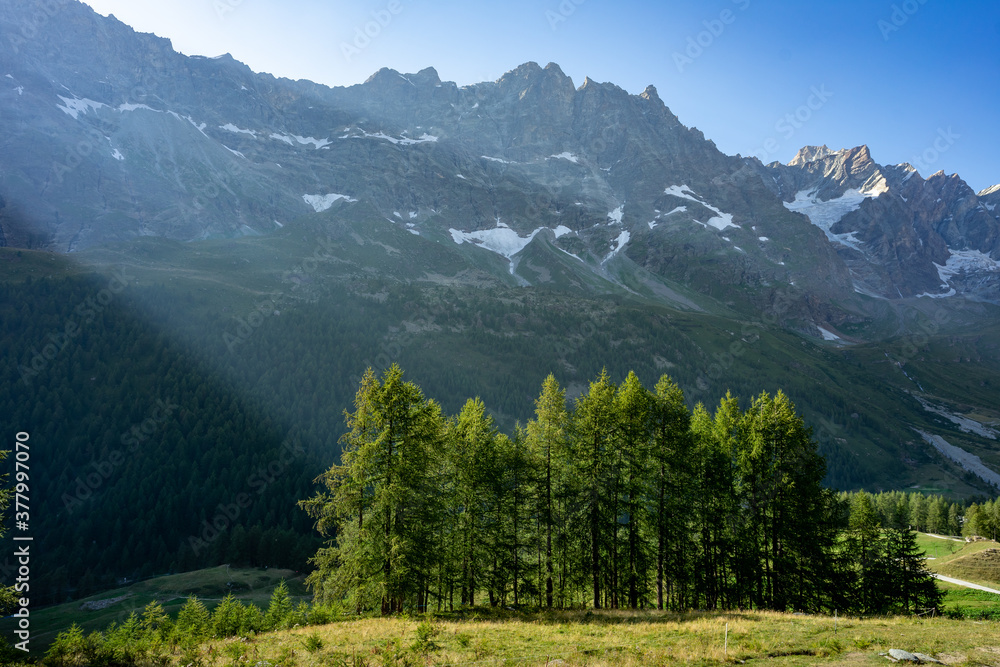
(990, 190)
(427, 75)
(810, 154)
(650, 94)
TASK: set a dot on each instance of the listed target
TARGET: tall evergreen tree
(866, 549)
(546, 439)
(474, 468)
(633, 405)
(594, 423)
(381, 501)
(672, 489)
(792, 532)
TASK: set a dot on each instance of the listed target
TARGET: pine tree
(918, 511)
(867, 554)
(546, 439)
(473, 449)
(279, 607)
(910, 585)
(672, 481)
(193, 621)
(713, 511)
(593, 426)
(381, 501)
(633, 405)
(792, 533)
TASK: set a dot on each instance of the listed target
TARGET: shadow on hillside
(598, 617)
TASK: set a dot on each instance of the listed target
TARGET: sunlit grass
(614, 639)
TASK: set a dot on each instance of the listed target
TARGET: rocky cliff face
(899, 233)
(110, 135)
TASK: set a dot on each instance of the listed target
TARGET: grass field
(937, 548)
(621, 639)
(975, 562)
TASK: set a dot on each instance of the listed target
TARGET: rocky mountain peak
(650, 94)
(533, 84)
(427, 76)
(808, 154)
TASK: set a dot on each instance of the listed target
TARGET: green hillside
(259, 343)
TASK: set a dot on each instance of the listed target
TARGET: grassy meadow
(614, 638)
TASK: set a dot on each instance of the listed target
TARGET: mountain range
(487, 211)
(111, 135)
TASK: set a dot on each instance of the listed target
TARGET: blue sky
(917, 80)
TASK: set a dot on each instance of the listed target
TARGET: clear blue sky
(897, 75)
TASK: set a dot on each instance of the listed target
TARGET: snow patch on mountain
(827, 334)
(198, 126)
(961, 261)
(501, 239)
(292, 139)
(566, 156)
(562, 230)
(323, 202)
(229, 127)
(617, 245)
(950, 292)
(720, 221)
(969, 261)
(495, 159)
(615, 216)
(117, 154)
(76, 106)
(402, 141)
(128, 106)
(825, 214)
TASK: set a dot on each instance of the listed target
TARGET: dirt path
(944, 537)
(967, 584)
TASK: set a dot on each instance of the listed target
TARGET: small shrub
(68, 648)
(313, 643)
(426, 632)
